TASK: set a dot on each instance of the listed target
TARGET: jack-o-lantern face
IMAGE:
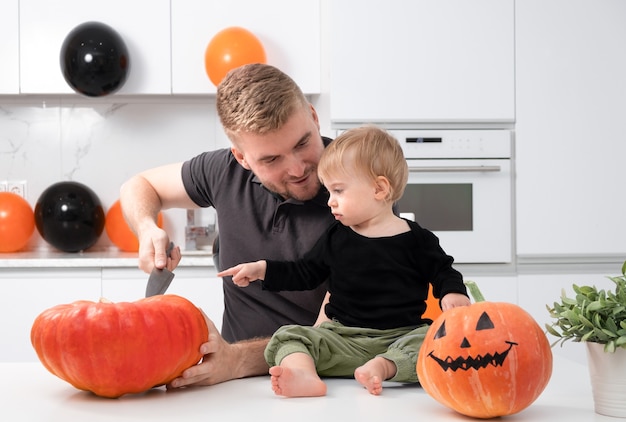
(485, 360)
(468, 361)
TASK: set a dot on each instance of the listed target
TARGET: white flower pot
(608, 379)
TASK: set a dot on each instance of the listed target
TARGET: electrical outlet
(17, 186)
(3, 186)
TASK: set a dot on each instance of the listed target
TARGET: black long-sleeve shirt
(374, 282)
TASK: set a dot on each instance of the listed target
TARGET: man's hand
(142, 197)
(224, 361)
(153, 251)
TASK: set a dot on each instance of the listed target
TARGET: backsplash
(101, 144)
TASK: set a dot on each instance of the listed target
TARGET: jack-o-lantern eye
(484, 322)
(441, 332)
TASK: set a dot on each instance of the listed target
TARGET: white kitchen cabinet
(143, 25)
(495, 288)
(288, 30)
(198, 284)
(9, 48)
(424, 61)
(28, 292)
(536, 291)
(570, 149)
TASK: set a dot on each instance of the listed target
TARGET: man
(269, 202)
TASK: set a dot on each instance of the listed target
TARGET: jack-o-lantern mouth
(470, 362)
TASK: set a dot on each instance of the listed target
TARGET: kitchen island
(28, 392)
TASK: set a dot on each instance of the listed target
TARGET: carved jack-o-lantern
(485, 360)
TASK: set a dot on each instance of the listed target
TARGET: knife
(160, 280)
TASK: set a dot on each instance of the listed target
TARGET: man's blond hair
(257, 98)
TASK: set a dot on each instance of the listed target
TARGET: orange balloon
(17, 222)
(230, 48)
(432, 305)
(119, 231)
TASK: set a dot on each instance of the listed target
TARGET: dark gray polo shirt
(254, 224)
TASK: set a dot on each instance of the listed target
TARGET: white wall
(102, 142)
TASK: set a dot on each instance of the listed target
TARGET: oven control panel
(419, 144)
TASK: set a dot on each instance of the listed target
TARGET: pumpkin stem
(104, 300)
(474, 291)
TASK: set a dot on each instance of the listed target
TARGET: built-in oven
(460, 187)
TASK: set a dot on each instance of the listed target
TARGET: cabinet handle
(452, 169)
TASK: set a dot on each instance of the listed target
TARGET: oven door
(466, 203)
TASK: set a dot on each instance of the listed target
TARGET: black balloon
(94, 59)
(69, 216)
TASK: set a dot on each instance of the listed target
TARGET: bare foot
(293, 382)
(373, 373)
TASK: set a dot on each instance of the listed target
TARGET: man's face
(285, 160)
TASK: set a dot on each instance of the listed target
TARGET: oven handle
(453, 169)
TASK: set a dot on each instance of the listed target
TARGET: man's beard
(297, 194)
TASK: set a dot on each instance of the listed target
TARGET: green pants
(338, 350)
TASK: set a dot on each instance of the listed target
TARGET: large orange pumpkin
(112, 349)
(485, 360)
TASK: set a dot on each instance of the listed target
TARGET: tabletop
(28, 392)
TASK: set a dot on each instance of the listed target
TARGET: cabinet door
(9, 48)
(422, 61)
(536, 291)
(29, 292)
(289, 31)
(144, 25)
(198, 284)
(570, 76)
(495, 288)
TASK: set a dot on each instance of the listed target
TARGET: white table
(28, 392)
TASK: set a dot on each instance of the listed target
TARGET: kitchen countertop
(28, 392)
(107, 258)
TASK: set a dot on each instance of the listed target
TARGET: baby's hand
(452, 300)
(244, 274)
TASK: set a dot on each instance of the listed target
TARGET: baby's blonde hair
(370, 150)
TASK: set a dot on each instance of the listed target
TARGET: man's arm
(142, 197)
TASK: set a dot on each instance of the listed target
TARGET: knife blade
(160, 279)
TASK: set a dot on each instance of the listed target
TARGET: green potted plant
(594, 315)
(597, 317)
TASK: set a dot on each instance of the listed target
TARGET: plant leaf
(609, 333)
(586, 322)
(610, 325)
(595, 306)
(609, 347)
(552, 331)
(600, 334)
(586, 336)
(621, 341)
